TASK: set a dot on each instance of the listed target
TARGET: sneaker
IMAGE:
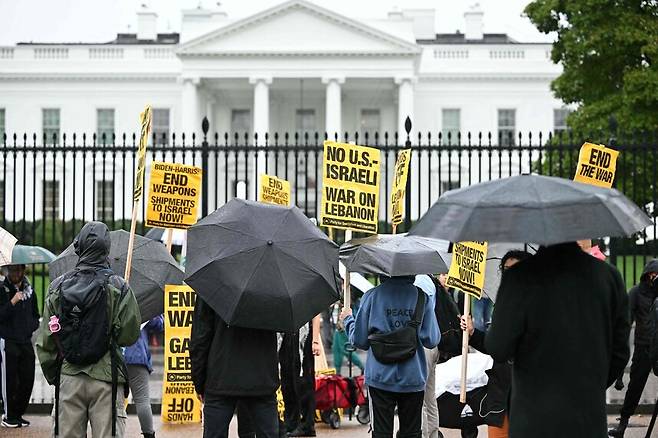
(24, 422)
(6, 422)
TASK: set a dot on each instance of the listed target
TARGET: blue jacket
(139, 353)
(388, 307)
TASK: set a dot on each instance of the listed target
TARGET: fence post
(205, 125)
(407, 198)
(614, 242)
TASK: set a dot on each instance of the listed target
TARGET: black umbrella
(531, 208)
(262, 266)
(152, 268)
(395, 255)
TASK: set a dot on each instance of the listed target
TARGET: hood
(651, 266)
(92, 245)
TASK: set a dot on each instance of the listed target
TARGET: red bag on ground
(360, 390)
(332, 392)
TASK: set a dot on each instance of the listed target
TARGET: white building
(296, 67)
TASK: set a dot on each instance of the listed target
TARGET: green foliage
(609, 54)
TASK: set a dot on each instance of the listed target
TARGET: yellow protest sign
(174, 192)
(179, 401)
(596, 165)
(145, 122)
(274, 190)
(399, 186)
(350, 192)
(469, 260)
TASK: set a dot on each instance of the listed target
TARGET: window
(370, 123)
(50, 124)
(450, 125)
(50, 198)
(160, 125)
(305, 121)
(241, 122)
(448, 185)
(104, 125)
(104, 200)
(506, 126)
(560, 119)
(2, 124)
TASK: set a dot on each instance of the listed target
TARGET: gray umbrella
(262, 266)
(152, 268)
(531, 208)
(395, 255)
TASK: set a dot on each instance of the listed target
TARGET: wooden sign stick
(465, 336)
(347, 296)
(131, 241)
(169, 239)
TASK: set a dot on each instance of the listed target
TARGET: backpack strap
(419, 311)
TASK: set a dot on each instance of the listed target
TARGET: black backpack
(84, 318)
(401, 344)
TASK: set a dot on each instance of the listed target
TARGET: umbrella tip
(269, 242)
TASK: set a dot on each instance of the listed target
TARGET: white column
(405, 104)
(261, 127)
(261, 105)
(333, 111)
(190, 109)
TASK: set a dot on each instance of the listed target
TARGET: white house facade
(295, 68)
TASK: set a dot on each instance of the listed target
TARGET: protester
(89, 313)
(138, 363)
(641, 298)
(19, 318)
(500, 376)
(297, 359)
(384, 311)
(230, 365)
(562, 316)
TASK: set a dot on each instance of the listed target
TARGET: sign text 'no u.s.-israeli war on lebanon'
(469, 260)
(350, 187)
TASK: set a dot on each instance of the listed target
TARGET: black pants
(261, 411)
(298, 391)
(410, 408)
(18, 370)
(640, 369)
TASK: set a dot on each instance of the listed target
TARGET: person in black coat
(562, 317)
(231, 366)
(641, 299)
(19, 318)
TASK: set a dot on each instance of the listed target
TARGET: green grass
(629, 265)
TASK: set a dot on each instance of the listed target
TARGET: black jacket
(562, 316)
(640, 300)
(653, 350)
(17, 323)
(231, 361)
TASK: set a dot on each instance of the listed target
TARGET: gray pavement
(41, 428)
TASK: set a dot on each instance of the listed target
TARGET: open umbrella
(395, 255)
(152, 268)
(7, 242)
(28, 255)
(262, 266)
(531, 208)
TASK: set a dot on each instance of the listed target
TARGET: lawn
(631, 267)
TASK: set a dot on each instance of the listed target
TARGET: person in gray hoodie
(383, 309)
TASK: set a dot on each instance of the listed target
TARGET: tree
(609, 53)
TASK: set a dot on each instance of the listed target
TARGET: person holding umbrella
(19, 318)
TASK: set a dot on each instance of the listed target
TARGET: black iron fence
(51, 186)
